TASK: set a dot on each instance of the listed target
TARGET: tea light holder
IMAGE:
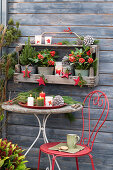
(49, 100)
(42, 94)
(40, 101)
(48, 40)
(58, 68)
(38, 39)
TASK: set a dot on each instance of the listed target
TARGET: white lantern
(48, 40)
(49, 101)
(38, 39)
(58, 68)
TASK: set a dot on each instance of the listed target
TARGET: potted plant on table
(27, 52)
(45, 61)
(82, 59)
(11, 157)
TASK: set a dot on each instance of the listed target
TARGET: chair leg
(92, 163)
(39, 159)
(53, 162)
(77, 164)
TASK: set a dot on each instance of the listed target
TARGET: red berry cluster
(72, 59)
(88, 53)
(90, 60)
(40, 56)
(51, 62)
(52, 53)
(81, 60)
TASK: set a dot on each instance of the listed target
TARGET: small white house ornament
(38, 39)
(48, 40)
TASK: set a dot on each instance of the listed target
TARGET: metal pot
(30, 68)
(69, 68)
(45, 70)
(82, 72)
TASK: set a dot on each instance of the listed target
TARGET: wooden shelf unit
(55, 79)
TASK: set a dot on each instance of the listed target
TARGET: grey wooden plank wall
(85, 17)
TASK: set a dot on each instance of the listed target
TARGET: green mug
(72, 140)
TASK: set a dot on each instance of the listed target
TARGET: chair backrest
(97, 102)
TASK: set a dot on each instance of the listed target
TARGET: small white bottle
(30, 100)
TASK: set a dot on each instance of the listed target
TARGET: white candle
(38, 39)
(48, 40)
(49, 101)
(30, 101)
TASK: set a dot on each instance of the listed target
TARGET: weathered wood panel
(63, 19)
(85, 17)
(35, 1)
(73, 7)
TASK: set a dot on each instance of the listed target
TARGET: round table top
(20, 109)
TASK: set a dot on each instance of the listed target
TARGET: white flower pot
(45, 70)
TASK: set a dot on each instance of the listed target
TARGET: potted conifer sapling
(28, 52)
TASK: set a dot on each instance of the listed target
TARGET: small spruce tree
(27, 52)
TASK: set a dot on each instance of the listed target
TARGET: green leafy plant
(11, 157)
(44, 58)
(22, 97)
(81, 82)
(81, 58)
(27, 54)
(10, 33)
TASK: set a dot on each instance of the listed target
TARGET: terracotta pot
(45, 70)
(82, 72)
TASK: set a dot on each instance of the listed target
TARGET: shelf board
(55, 79)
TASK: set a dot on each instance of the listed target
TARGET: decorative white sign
(38, 39)
(48, 40)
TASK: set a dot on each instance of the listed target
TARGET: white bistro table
(42, 125)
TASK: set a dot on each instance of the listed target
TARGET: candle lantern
(48, 40)
(40, 101)
(58, 68)
(38, 39)
(42, 94)
(30, 100)
(49, 100)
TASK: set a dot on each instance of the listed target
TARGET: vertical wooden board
(4, 12)
(0, 11)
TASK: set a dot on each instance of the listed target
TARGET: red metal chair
(93, 99)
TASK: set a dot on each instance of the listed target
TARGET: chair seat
(45, 148)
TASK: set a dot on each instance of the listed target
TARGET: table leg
(40, 129)
(46, 141)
